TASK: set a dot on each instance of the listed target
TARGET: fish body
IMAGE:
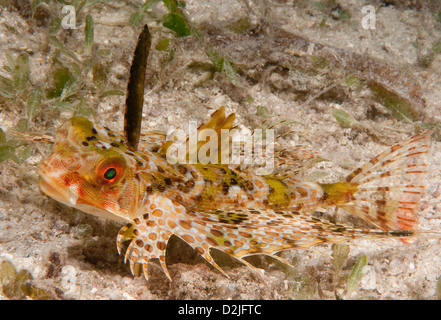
(229, 208)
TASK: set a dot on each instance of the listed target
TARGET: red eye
(109, 171)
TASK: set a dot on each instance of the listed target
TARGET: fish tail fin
(387, 190)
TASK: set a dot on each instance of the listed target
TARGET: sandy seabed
(73, 255)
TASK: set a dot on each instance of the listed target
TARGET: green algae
(399, 107)
(19, 285)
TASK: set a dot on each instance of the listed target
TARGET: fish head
(91, 169)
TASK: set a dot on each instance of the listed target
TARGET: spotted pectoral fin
(239, 232)
(243, 231)
(124, 234)
(149, 241)
(150, 233)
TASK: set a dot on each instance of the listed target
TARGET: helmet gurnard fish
(125, 176)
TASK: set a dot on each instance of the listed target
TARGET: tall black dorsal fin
(135, 89)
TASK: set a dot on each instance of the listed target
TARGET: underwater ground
(346, 83)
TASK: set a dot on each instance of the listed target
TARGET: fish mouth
(62, 194)
(55, 191)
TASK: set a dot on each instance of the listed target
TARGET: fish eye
(109, 171)
(110, 174)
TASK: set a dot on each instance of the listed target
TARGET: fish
(127, 177)
(227, 208)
